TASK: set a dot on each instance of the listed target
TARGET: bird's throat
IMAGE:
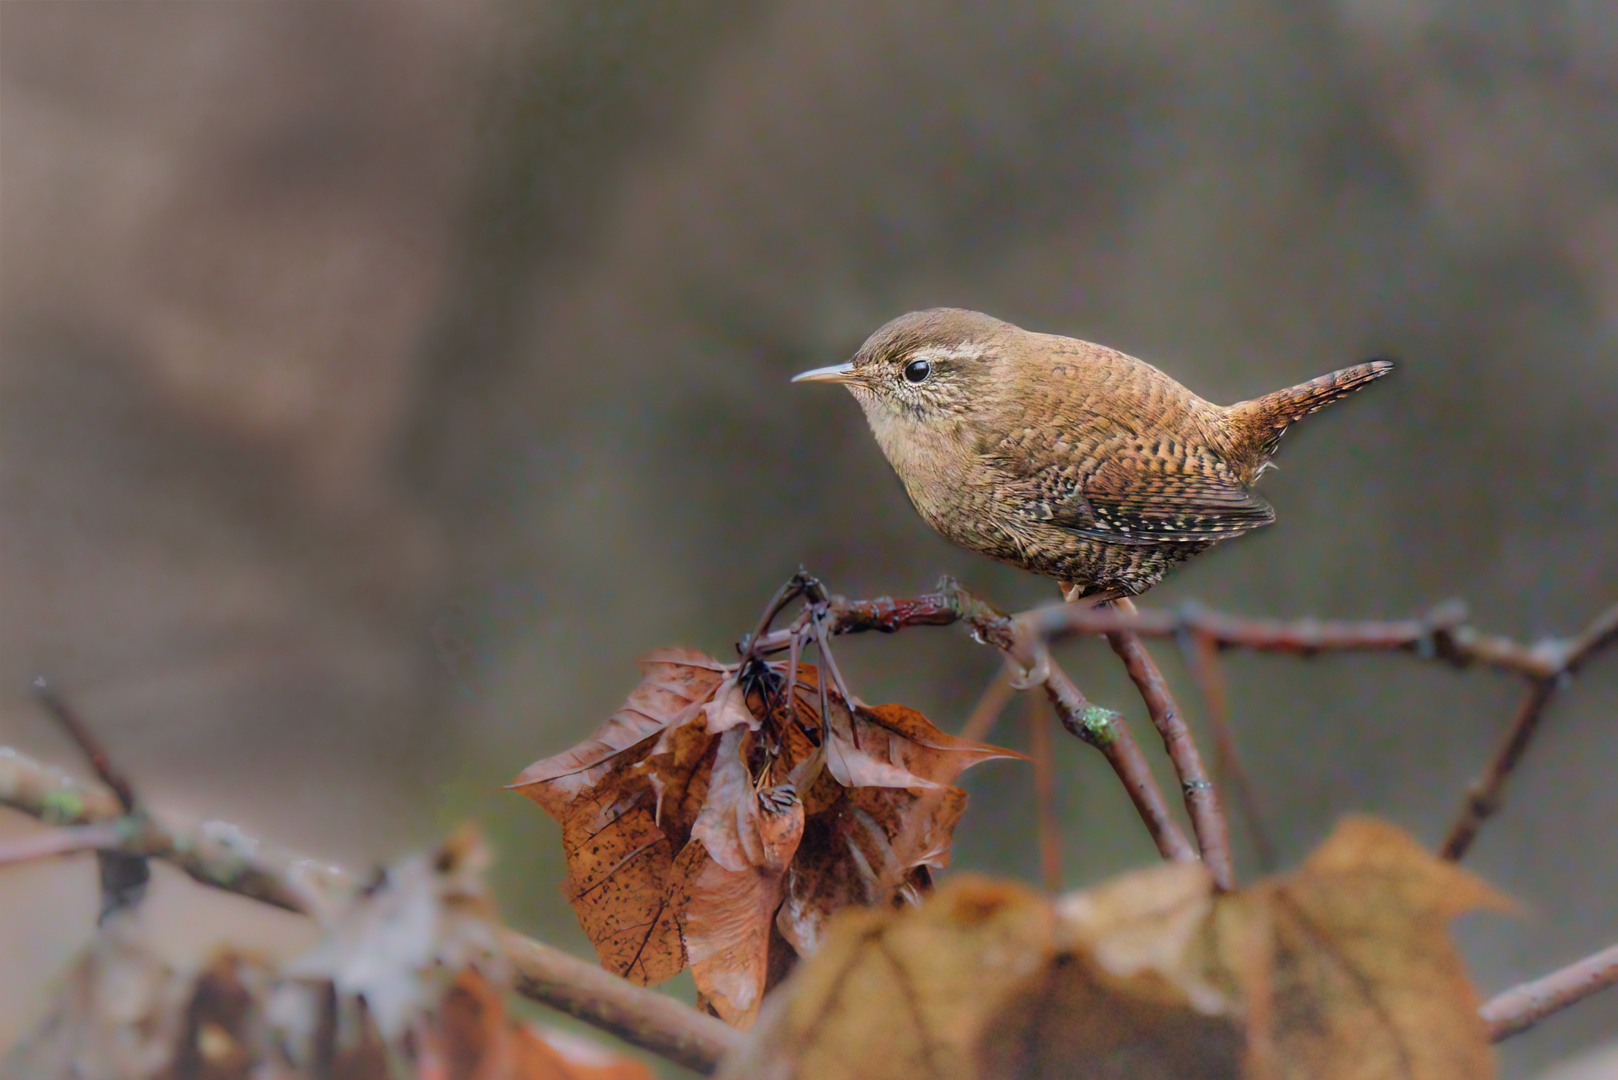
(932, 455)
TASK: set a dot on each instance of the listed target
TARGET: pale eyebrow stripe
(948, 352)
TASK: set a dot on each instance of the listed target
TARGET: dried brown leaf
(220, 1038)
(675, 685)
(730, 913)
(860, 849)
(619, 883)
(678, 769)
(896, 746)
(1339, 971)
(677, 833)
(730, 789)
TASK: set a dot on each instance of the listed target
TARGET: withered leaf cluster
(405, 984)
(1342, 970)
(719, 818)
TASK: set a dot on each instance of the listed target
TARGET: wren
(1066, 458)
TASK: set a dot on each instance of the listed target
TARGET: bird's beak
(836, 373)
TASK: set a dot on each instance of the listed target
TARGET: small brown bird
(1066, 458)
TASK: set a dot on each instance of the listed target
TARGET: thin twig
(1484, 794)
(87, 743)
(996, 696)
(1044, 755)
(1201, 799)
(1106, 731)
(1520, 1008)
(1202, 657)
(215, 854)
(123, 876)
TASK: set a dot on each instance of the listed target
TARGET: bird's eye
(917, 371)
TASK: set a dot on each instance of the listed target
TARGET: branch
(1439, 635)
(1201, 800)
(221, 856)
(1101, 728)
(1202, 657)
(646, 1018)
(87, 743)
(1049, 828)
(1520, 1008)
(1106, 731)
(1483, 795)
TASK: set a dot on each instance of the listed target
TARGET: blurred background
(378, 380)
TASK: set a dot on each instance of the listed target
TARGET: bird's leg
(1072, 592)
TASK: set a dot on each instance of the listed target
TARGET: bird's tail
(1260, 423)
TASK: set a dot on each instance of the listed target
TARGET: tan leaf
(1360, 980)
(1152, 920)
(1339, 971)
(903, 997)
(1127, 995)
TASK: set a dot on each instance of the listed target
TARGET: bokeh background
(378, 380)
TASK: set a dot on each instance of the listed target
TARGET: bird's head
(923, 373)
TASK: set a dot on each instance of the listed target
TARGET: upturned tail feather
(1263, 420)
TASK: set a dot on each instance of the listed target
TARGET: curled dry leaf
(1341, 970)
(715, 811)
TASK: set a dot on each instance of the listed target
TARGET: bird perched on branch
(1067, 458)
